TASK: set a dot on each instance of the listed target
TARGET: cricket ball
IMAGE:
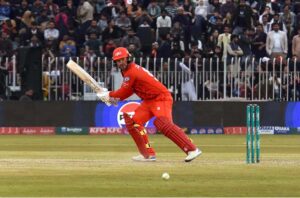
(165, 176)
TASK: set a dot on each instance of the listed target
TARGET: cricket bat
(85, 77)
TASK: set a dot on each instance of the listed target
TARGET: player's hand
(104, 97)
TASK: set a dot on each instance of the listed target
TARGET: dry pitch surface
(100, 166)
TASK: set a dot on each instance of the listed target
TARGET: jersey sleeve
(126, 89)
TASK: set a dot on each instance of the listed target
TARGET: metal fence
(187, 79)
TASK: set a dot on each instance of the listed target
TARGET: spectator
(61, 22)
(51, 33)
(94, 44)
(102, 22)
(163, 24)
(227, 7)
(6, 46)
(26, 21)
(132, 49)
(259, 42)
(234, 52)
(287, 15)
(130, 38)
(172, 8)
(123, 21)
(5, 10)
(267, 26)
(51, 8)
(67, 47)
(32, 31)
(94, 28)
(296, 45)
(224, 39)
(112, 32)
(277, 44)
(242, 18)
(153, 9)
(37, 7)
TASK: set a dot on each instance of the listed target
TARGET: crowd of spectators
(151, 28)
(221, 29)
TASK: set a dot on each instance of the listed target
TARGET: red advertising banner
(9, 130)
(37, 130)
(235, 130)
(115, 130)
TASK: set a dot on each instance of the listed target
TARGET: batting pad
(140, 137)
(174, 133)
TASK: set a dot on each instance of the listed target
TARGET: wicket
(253, 136)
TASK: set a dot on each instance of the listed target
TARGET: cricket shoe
(141, 158)
(192, 155)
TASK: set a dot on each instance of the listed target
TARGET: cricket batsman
(156, 101)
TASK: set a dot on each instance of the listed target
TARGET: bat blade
(85, 77)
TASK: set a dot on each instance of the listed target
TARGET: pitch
(99, 166)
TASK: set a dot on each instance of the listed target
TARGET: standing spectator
(277, 44)
(6, 46)
(26, 21)
(32, 31)
(267, 26)
(224, 39)
(287, 15)
(61, 22)
(227, 7)
(296, 45)
(274, 7)
(163, 24)
(259, 42)
(242, 18)
(85, 14)
(234, 52)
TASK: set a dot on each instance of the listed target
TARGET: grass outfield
(95, 166)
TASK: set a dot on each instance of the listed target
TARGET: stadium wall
(187, 114)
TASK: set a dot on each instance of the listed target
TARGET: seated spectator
(154, 9)
(51, 33)
(133, 51)
(123, 21)
(26, 21)
(143, 17)
(163, 24)
(9, 26)
(112, 32)
(6, 46)
(37, 7)
(51, 8)
(131, 38)
(67, 47)
(102, 22)
(43, 20)
(94, 44)
(32, 31)
(5, 10)
(94, 28)
(108, 48)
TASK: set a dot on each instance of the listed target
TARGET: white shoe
(141, 158)
(192, 155)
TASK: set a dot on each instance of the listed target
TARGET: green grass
(95, 166)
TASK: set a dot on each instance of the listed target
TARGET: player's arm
(125, 90)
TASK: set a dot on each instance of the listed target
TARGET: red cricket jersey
(140, 81)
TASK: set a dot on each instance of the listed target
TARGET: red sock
(174, 133)
(140, 137)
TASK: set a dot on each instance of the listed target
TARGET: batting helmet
(120, 52)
